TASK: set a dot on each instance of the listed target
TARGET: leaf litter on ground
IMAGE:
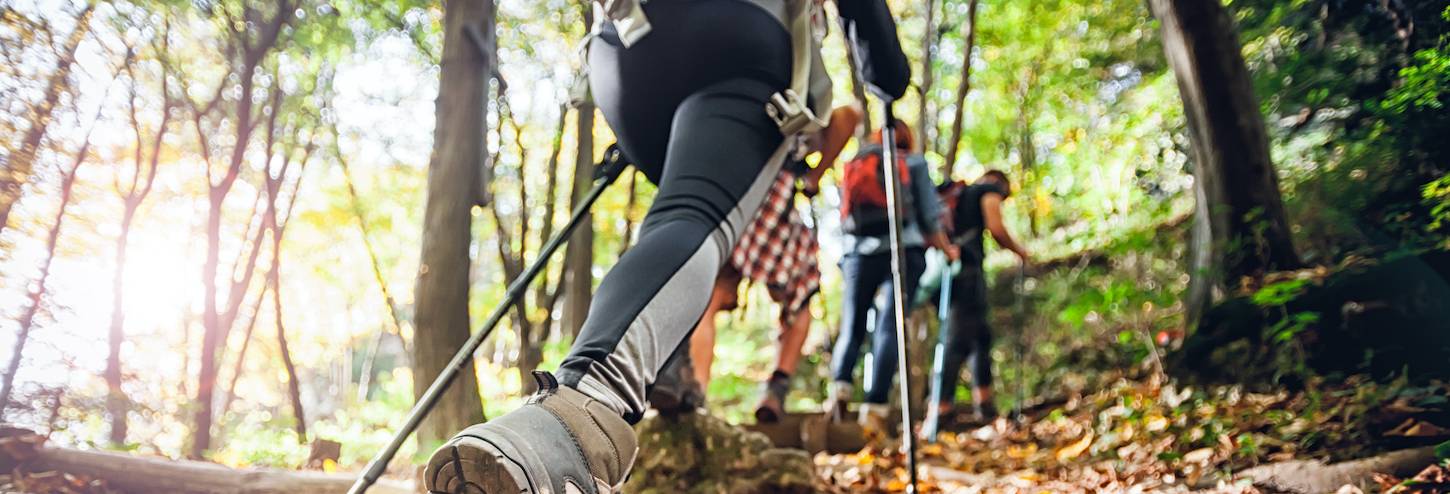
(1137, 435)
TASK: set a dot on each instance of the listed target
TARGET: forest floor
(1149, 434)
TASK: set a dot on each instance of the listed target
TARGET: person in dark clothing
(686, 85)
(967, 337)
(866, 271)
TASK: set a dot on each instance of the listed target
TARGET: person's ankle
(778, 385)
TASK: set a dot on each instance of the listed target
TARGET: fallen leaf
(1075, 449)
(1200, 455)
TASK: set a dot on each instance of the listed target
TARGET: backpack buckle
(787, 109)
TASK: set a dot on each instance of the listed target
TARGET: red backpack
(863, 192)
(951, 194)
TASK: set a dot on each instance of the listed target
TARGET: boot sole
(471, 465)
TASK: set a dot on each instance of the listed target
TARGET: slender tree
(579, 254)
(1240, 227)
(959, 109)
(36, 297)
(454, 176)
(144, 160)
(250, 41)
(925, 110)
(391, 304)
(21, 161)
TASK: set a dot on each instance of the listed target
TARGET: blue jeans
(865, 276)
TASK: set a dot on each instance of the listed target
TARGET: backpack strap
(791, 109)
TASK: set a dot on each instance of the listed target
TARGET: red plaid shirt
(779, 250)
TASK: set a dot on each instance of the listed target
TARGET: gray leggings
(687, 104)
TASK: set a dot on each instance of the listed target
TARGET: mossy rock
(696, 453)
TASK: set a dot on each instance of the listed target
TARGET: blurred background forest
(212, 210)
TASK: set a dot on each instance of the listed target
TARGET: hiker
(778, 250)
(695, 91)
(967, 338)
(866, 267)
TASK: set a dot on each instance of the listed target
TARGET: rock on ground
(696, 453)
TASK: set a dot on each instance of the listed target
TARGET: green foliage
(1279, 293)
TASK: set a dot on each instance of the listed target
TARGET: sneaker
(772, 405)
(676, 390)
(837, 399)
(560, 441)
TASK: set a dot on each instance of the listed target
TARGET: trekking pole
(1019, 289)
(943, 312)
(607, 171)
(898, 279)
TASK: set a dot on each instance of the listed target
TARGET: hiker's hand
(940, 241)
(811, 185)
(1024, 256)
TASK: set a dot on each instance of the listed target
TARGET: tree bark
(954, 142)
(37, 295)
(925, 124)
(579, 255)
(442, 323)
(1247, 233)
(21, 163)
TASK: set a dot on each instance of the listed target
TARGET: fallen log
(1314, 476)
(138, 474)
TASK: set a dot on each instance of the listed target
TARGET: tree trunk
(365, 377)
(148, 474)
(925, 124)
(242, 354)
(442, 323)
(294, 386)
(117, 404)
(954, 142)
(37, 294)
(1238, 188)
(579, 255)
(116, 401)
(627, 237)
(19, 165)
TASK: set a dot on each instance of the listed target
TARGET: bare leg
(702, 343)
(792, 338)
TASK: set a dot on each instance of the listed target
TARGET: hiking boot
(560, 441)
(984, 412)
(875, 419)
(772, 405)
(676, 391)
(837, 399)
